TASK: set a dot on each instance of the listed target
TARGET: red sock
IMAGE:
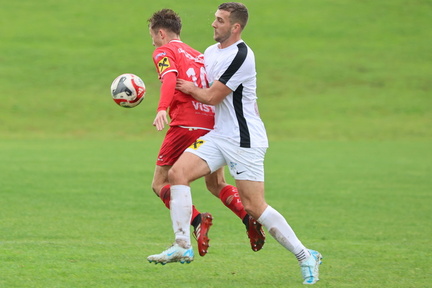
(231, 199)
(165, 196)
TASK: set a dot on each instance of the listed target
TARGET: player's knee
(156, 191)
(175, 176)
(158, 184)
(213, 186)
(155, 188)
(248, 209)
(257, 210)
(253, 209)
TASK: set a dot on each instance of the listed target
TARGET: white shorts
(243, 163)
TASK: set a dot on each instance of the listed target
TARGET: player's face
(222, 26)
(156, 38)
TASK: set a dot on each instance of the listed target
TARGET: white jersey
(236, 117)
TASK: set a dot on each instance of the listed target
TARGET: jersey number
(192, 74)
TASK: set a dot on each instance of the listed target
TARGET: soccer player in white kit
(238, 140)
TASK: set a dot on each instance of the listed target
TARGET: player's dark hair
(239, 12)
(166, 19)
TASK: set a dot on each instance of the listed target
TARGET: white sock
(279, 228)
(181, 213)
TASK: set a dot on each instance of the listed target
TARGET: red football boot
(256, 234)
(201, 233)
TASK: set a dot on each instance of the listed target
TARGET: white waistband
(195, 128)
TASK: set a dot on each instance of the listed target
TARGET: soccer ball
(128, 90)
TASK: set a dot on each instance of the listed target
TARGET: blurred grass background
(326, 69)
(344, 89)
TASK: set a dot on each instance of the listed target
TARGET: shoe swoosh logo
(170, 254)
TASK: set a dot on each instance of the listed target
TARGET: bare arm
(211, 96)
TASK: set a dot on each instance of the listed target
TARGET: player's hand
(160, 120)
(185, 86)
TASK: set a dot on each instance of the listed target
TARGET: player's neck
(170, 39)
(228, 43)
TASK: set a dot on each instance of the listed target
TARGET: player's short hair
(166, 19)
(239, 12)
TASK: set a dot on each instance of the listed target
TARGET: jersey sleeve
(167, 91)
(164, 61)
(163, 58)
(238, 70)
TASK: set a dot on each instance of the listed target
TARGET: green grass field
(345, 91)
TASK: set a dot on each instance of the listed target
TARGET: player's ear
(236, 28)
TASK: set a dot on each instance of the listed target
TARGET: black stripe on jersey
(238, 107)
(238, 93)
(235, 64)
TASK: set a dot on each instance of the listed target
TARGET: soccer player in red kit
(190, 120)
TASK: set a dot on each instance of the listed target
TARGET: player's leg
(176, 141)
(161, 188)
(252, 195)
(249, 174)
(160, 179)
(229, 196)
(188, 168)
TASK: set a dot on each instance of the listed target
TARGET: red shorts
(177, 139)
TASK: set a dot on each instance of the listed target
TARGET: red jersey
(188, 64)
